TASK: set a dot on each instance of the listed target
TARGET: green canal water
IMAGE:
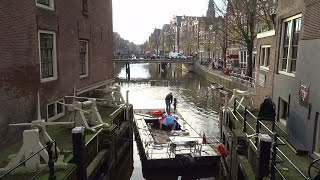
(197, 103)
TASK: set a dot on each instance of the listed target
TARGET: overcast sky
(135, 20)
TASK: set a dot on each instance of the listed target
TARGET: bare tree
(241, 23)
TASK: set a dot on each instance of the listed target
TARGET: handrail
(255, 117)
(295, 167)
(276, 137)
(48, 146)
(250, 126)
(234, 114)
(280, 173)
(42, 170)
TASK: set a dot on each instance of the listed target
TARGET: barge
(178, 147)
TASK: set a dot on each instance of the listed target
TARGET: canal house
(52, 47)
(56, 60)
(296, 84)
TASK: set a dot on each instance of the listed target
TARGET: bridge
(191, 61)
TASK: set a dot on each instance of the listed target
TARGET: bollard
(263, 156)
(79, 152)
(273, 157)
(52, 175)
(234, 105)
(245, 120)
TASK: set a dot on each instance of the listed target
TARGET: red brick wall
(311, 23)
(19, 71)
(19, 68)
(262, 92)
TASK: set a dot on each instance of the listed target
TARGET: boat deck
(170, 144)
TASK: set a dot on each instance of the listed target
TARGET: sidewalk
(217, 76)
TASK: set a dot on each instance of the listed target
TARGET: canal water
(148, 86)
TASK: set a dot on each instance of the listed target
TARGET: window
(85, 7)
(55, 110)
(47, 4)
(243, 59)
(47, 54)
(290, 40)
(283, 111)
(83, 58)
(265, 56)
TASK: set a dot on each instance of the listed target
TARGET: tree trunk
(249, 63)
(224, 56)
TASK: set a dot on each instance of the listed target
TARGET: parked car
(174, 55)
(142, 58)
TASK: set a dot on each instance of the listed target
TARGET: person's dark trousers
(168, 106)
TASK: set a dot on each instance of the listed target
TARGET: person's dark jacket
(169, 97)
(267, 110)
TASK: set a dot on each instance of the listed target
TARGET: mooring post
(245, 120)
(52, 175)
(263, 156)
(273, 157)
(127, 106)
(79, 152)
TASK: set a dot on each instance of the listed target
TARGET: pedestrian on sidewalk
(168, 100)
(174, 104)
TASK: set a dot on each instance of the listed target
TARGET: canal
(148, 86)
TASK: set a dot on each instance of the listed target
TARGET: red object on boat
(157, 113)
(222, 150)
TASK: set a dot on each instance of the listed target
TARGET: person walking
(168, 100)
(174, 104)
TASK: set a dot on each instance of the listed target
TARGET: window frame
(86, 59)
(243, 58)
(56, 115)
(282, 102)
(262, 59)
(50, 7)
(288, 71)
(54, 56)
(85, 10)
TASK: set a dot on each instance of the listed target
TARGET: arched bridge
(154, 61)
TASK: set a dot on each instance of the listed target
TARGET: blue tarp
(170, 120)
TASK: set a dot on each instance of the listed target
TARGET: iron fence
(276, 153)
(49, 145)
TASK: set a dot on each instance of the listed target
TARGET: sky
(135, 20)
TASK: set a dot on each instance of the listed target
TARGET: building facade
(53, 47)
(296, 78)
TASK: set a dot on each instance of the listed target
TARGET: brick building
(50, 46)
(266, 49)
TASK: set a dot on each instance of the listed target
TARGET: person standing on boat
(174, 104)
(168, 100)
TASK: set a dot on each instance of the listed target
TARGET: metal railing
(275, 151)
(243, 79)
(50, 164)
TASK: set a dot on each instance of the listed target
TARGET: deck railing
(50, 165)
(275, 151)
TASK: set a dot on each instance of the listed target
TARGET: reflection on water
(148, 87)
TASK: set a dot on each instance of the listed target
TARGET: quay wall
(228, 84)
